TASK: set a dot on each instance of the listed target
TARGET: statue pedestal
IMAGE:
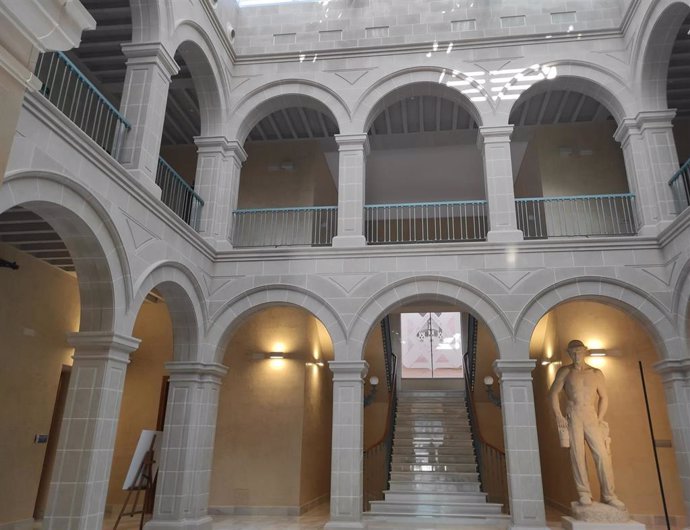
(573, 524)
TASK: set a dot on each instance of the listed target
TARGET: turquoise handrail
(678, 173)
(178, 178)
(288, 209)
(91, 87)
(577, 197)
(441, 203)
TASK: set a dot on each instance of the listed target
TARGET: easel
(144, 482)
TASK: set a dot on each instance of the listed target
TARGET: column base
(344, 525)
(148, 182)
(349, 241)
(573, 524)
(204, 523)
(504, 236)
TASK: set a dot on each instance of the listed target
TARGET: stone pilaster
(218, 171)
(184, 476)
(348, 444)
(521, 444)
(353, 150)
(494, 143)
(676, 377)
(149, 69)
(651, 159)
(79, 484)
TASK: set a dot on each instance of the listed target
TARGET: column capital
(102, 345)
(514, 369)
(220, 145)
(353, 142)
(673, 369)
(192, 371)
(496, 134)
(642, 121)
(348, 370)
(150, 53)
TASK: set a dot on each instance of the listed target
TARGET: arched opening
(433, 442)
(63, 283)
(272, 451)
(193, 109)
(167, 325)
(288, 191)
(424, 174)
(570, 174)
(623, 350)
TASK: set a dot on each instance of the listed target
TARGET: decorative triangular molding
(214, 284)
(237, 81)
(351, 75)
(509, 278)
(663, 272)
(348, 282)
(140, 234)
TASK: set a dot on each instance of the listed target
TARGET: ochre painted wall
(266, 407)
(376, 414)
(263, 184)
(39, 305)
(490, 418)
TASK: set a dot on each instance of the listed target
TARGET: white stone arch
(652, 50)
(208, 75)
(642, 306)
(236, 311)
(184, 299)
(148, 20)
(89, 234)
(416, 81)
(265, 99)
(428, 289)
(595, 81)
(681, 304)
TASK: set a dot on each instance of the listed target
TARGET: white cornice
(49, 24)
(218, 27)
(18, 71)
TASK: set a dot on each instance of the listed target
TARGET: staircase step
(434, 486)
(449, 468)
(438, 496)
(385, 521)
(436, 508)
(441, 476)
(434, 459)
(456, 430)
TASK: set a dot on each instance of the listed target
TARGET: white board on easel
(144, 444)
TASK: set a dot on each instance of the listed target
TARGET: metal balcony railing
(425, 222)
(179, 196)
(78, 99)
(312, 226)
(680, 187)
(582, 215)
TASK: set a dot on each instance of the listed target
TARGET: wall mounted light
(494, 398)
(598, 352)
(276, 355)
(369, 398)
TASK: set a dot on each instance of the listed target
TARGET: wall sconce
(314, 363)
(369, 398)
(276, 355)
(494, 398)
(598, 352)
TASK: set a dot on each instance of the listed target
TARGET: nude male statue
(587, 402)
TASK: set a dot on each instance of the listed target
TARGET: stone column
(184, 475)
(149, 69)
(217, 181)
(348, 444)
(494, 143)
(521, 444)
(352, 167)
(79, 484)
(676, 377)
(651, 159)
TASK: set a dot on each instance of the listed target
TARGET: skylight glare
(250, 3)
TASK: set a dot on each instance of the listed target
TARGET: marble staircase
(434, 468)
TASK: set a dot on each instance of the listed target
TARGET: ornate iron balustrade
(282, 227)
(179, 196)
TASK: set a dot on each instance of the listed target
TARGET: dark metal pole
(656, 456)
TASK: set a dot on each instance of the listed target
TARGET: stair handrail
(491, 460)
(377, 458)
